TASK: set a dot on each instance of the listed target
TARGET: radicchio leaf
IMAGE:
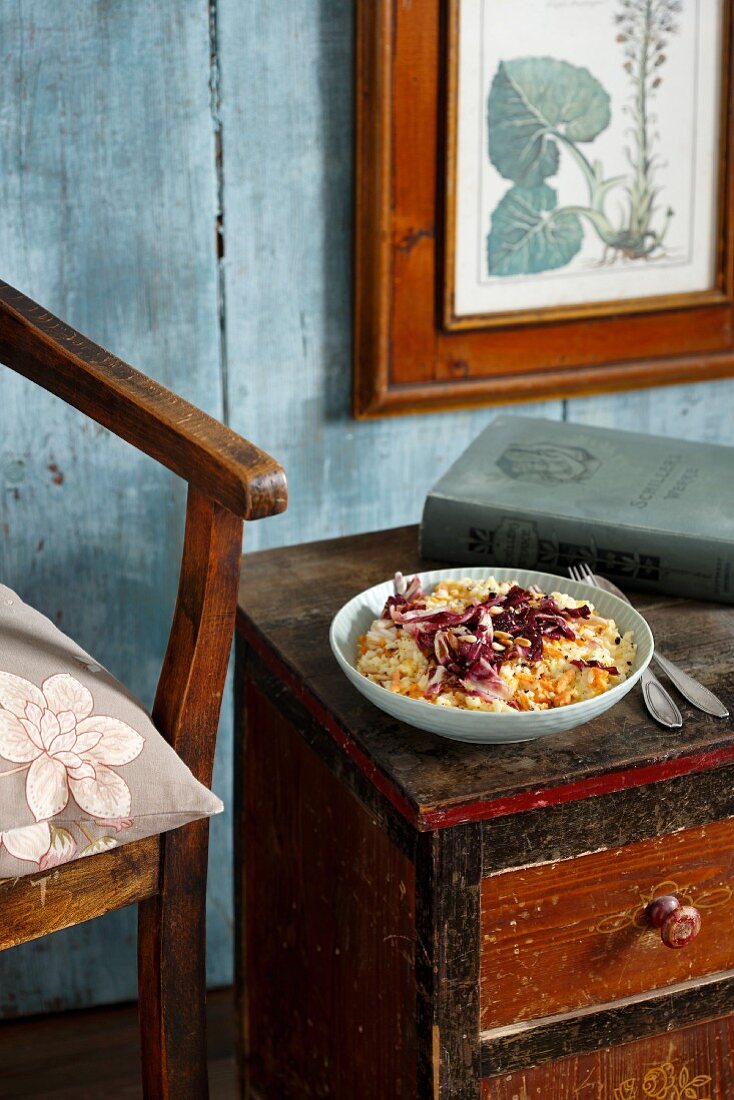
(580, 663)
(489, 688)
(458, 644)
(436, 680)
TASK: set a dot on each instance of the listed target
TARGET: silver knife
(694, 692)
(691, 689)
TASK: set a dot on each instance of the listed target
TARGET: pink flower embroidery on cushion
(116, 823)
(102, 844)
(43, 844)
(53, 733)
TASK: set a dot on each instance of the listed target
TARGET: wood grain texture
(556, 1037)
(327, 919)
(288, 186)
(406, 359)
(689, 1064)
(228, 469)
(190, 688)
(171, 939)
(288, 599)
(311, 728)
(288, 175)
(108, 200)
(567, 935)
(171, 925)
(38, 904)
(95, 1054)
(447, 973)
(607, 821)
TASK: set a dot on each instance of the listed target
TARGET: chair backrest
(230, 481)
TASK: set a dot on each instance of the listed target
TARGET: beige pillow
(82, 768)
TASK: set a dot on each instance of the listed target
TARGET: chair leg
(172, 971)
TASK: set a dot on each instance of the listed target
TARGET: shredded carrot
(566, 680)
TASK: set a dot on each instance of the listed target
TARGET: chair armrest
(221, 464)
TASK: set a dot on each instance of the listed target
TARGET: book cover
(647, 511)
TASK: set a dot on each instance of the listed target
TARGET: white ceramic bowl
(483, 727)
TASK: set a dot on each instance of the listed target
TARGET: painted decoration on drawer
(693, 1063)
(665, 1082)
(572, 934)
(686, 895)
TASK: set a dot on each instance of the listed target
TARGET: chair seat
(63, 896)
(83, 769)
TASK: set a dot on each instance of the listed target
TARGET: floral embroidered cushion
(82, 768)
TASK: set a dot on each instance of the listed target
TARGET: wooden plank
(226, 468)
(327, 920)
(288, 215)
(96, 1053)
(316, 731)
(700, 412)
(108, 199)
(556, 1037)
(447, 912)
(569, 934)
(38, 904)
(607, 821)
(692, 1062)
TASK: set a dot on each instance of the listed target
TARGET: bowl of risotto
(487, 655)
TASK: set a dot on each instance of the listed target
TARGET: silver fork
(657, 699)
(690, 688)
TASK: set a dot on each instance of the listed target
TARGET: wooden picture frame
(412, 352)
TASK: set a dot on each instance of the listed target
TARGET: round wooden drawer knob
(678, 924)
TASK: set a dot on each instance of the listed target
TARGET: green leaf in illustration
(533, 101)
(529, 235)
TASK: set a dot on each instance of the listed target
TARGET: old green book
(647, 511)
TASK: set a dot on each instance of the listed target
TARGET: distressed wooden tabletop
(289, 596)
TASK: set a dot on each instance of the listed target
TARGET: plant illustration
(541, 108)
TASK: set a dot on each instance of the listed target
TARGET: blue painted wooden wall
(111, 186)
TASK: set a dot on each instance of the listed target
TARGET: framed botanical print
(544, 199)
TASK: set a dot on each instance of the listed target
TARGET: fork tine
(582, 572)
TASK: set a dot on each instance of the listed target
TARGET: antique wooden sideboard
(422, 918)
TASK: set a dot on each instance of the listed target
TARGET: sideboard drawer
(566, 935)
(693, 1063)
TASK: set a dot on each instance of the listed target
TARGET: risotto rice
(491, 645)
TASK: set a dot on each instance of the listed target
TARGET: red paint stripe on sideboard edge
(428, 818)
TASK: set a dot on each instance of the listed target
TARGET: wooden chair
(229, 481)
